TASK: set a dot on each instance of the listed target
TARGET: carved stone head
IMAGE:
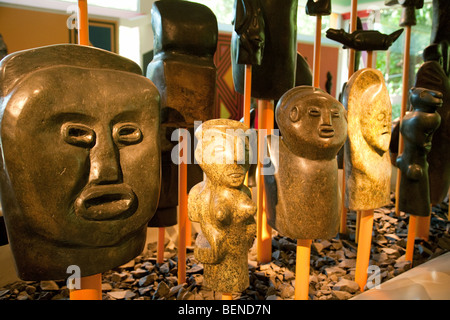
(368, 167)
(80, 159)
(312, 123)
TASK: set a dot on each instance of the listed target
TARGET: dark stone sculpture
(183, 70)
(318, 7)
(417, 128)
(440, 30)
(303, 193)
(223, 206)
(185, 40)
(276, 73)
(367, 163)
(408, 17)
(364, 40)
(3, 48)
(247, 40)
(80, 169)
(432, 76)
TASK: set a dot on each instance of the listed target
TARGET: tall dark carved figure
(276, 73)
(432, 76)
(183, 70)
(223, 206)
(303, 193)
(417, 128)
(80, 159)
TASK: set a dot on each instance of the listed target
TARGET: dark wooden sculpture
(223, 206)
(303, 193)
(276, 73)
(432, 76)
(367, 163)
(417, 128)
(364, 40)
(408, 17)
(183, 70)
(318, 7)
(247, 40)
(77, 125)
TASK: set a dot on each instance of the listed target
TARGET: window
(130, 5)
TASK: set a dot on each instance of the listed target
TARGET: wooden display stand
(182, 212)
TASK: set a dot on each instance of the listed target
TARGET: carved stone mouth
(106, 202)
(326, 132)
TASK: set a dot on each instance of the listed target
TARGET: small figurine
(223, 206)
(367, 163)
(417, 128)
(303, 193)
(248, 37)
(80, 173)
(364, 40)
(276, 73)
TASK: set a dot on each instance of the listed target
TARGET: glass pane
(131, 5)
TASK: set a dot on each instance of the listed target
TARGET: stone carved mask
(81, 160)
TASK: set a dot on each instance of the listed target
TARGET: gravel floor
(331, 275)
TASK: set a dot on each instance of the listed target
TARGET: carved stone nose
(105, 163)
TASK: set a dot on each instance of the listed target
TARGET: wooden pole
(411, 238)
(83, 25)
(182, 214)
(364, 244)
(358, 223)
(317, 46)
(160, 245)
(423, 227)
(90, 288)
(247, 93)
(263, 231)
(369, 59)
(405, 97)
(351, 69)
(227, 296)
(302, 269)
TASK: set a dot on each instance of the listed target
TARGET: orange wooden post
(317, 46)
(351, 69)
(423, 227)
(160, 245)
(405, 97)
(247, 93)
(90, 288)
(369, 59)
(302, 269)
(364, 245)
(263, 230)
(411, 237)
(182, 213)
(227, 296)
(358, 223)
(83, 25)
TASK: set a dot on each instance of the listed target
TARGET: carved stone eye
(335, 114)
(78, 135)
(127, 133)
(314, 112)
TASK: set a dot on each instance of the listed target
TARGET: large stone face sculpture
(303, 193)
(367, 162)
(276, 73)
(417, 128)
(183, 70)
(222, 205)
(80, 159)
(431, 75)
